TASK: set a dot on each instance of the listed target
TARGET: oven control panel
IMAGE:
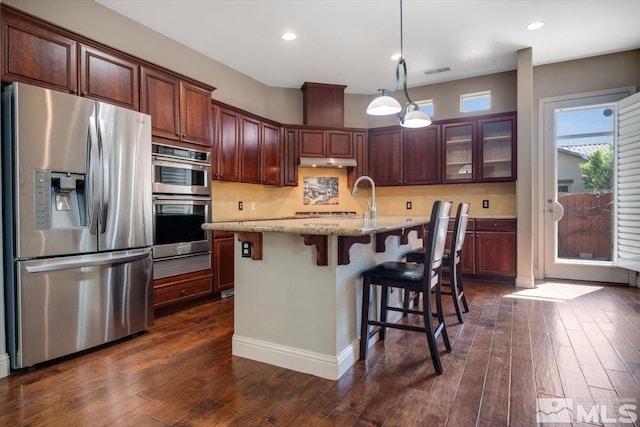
(180, 153)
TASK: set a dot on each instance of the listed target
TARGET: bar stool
(419, 278)
(451, 259)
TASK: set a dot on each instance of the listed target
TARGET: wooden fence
(585, 229)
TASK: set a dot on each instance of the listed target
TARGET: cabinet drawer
(471, 225)
(182, 292)
(221, 234)
(495, 224)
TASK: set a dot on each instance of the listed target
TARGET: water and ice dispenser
(60, 200)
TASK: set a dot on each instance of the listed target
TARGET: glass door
(579, 138)
(458, 153)
(496, 142)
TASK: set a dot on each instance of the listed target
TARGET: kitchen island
(298, 285)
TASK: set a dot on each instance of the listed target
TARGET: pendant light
(410, 115)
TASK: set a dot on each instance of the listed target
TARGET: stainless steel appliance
(181, 204)
(180, 170)
(178, 223)
(78, 223)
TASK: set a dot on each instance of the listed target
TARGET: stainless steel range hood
(326, 162)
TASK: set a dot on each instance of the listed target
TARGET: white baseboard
(309, 362)
(4, 365)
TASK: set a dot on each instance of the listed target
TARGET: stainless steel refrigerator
(77, 220)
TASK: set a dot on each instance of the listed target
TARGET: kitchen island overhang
(297, 304)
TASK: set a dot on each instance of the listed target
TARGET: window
(475, 101)
(564, 186)
(426, 107)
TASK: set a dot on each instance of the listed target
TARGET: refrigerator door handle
(94, 158)
(90, 261)
(104, 159)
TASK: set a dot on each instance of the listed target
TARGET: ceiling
(349, 42)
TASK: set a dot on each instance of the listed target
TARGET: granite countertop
(350, 226)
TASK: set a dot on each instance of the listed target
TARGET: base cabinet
(489, 249)
(177, 289)
(222, 262)
(495, 246)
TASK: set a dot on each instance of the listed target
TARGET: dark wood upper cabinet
(385, 156)
(312, 143)
(339, 144)
(250, 153)
(195, 118)
(160, 97)
(323, 104)
(325, 143)
(459, 150)
(290, 157)
(251, 150)
(272, 171)
(179, 110)
(482, 149)
(109, 78)
(227, 149)
(37, 54)
(497, 149)
(421, 156)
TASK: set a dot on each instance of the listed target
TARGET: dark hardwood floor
(508, 352)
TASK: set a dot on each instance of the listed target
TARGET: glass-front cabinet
(497, 156)
(459, 152)
(480, 149)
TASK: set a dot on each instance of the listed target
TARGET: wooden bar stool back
(452, 259)
(411, 277)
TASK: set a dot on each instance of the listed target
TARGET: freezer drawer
(69, 304)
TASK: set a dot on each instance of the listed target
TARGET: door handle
(104, 164)
(89, 261)
(93, 179)
(555, 209)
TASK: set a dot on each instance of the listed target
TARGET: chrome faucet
(372, 204)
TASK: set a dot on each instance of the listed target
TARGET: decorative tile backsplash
(320, 190)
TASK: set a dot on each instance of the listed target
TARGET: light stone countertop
(351, 226)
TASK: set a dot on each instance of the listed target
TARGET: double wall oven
(181, 204)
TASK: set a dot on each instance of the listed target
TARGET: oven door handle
(180, 201)
(177, 164)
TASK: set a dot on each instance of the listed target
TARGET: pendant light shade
(410, 116)
(415, 119)
(384, 105)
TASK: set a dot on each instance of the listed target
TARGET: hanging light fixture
(410, 115)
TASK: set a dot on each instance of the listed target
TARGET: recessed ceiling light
(289, 36)
(535, 25)
(395, 56)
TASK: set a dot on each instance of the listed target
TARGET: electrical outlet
(485, 204)
(246, 250)
(409, 205)
(240, 206)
